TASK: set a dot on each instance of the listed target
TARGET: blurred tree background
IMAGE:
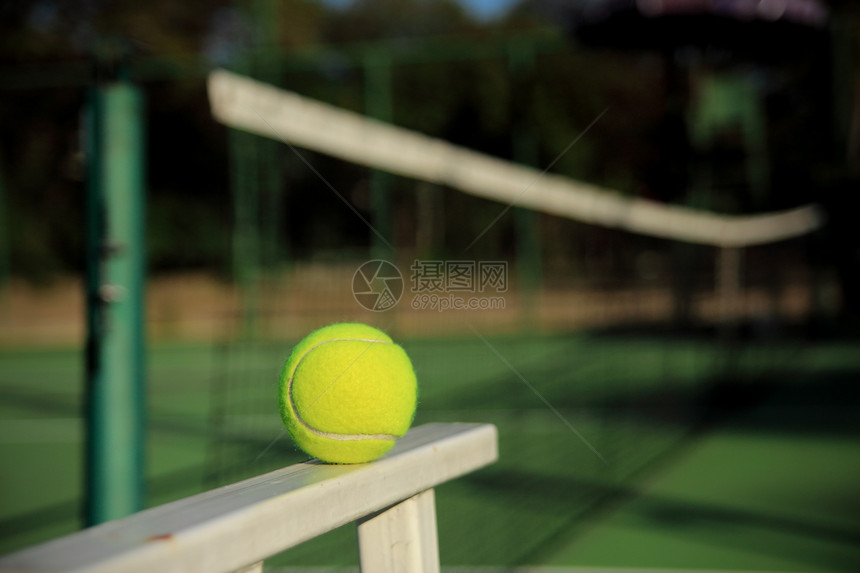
(466, 102)
(469, 101)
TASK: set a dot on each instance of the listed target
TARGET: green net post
(268, 68)
(378, 105)
(5, 235)
(115, 475)
(525, 151)
(246, 239)
(255, 176)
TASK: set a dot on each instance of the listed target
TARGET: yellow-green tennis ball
(347, 393)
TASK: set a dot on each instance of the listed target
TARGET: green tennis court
(770, 490)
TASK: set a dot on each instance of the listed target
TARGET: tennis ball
(347, 392)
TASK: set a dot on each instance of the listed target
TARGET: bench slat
(233, 526)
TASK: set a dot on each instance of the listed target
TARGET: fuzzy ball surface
(347, 392)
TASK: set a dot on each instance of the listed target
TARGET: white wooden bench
(236, 527)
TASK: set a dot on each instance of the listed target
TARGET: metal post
(5, 235)
(244, 163)
(729, 287)
(729, 291)
(378, 105)
(115, 301)
(255, 177)
(266, 14)
(525, 151)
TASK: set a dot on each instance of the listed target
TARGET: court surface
(774, 488)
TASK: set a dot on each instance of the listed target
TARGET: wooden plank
(231, 527)
(253, 568)
(259, 108)
(402, 538)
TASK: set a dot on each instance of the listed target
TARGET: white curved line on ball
(330, 435)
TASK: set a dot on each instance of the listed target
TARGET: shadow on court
(767, 481)
(716, 524)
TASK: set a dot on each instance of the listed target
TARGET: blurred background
(703, 404)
